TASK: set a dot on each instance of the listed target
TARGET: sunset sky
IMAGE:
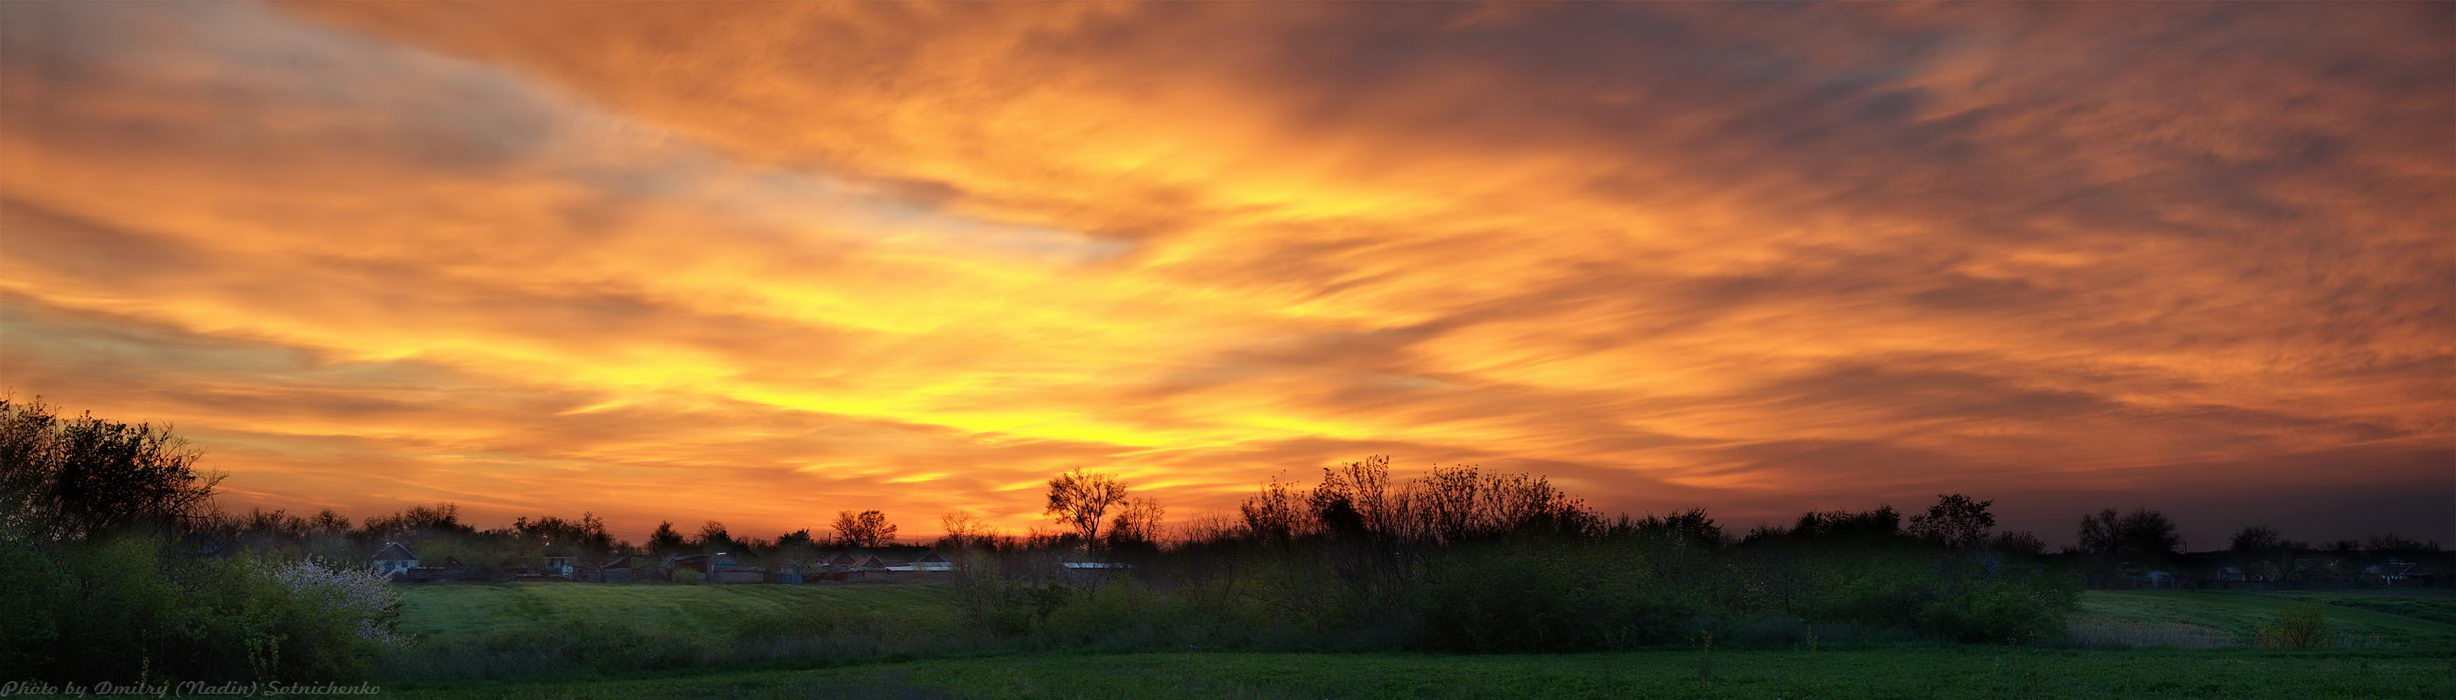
(759, 263)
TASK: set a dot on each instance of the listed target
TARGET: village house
(927, 562)
(697, 563)
(1092, 573)
(2398, 573)
(618, 570)
(741, 569)
(394, 559)
(522, 569)
(721, 567)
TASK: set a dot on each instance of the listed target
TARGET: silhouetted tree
(1871, 525)
(556, 536)
(1523, 504)
(1688, 529)
(2392, 543)
(1080, 500)
(2255, 540)
(796, 538)
(961, 529)
(2017, 542)
(713, 539)
(1354, 499)
(78, 478)
(1955, 521)
(1446, 503)
(868, 528)
(438, 519)
(1137, 523)
(1275, 514)
(2142, 536)
(666, 540)
(328, 521)
(2262, 551)
(1449, 505)
(798, 547)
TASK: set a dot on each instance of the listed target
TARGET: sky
(759, 263)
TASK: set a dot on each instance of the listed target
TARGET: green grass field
(449, 613)
(2395, 646)
(1964, 672)
(2230, 618)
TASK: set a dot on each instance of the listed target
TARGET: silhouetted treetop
(82, 477)
(1080, 499)
(868, 528)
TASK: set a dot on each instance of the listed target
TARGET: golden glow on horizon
(759, 263)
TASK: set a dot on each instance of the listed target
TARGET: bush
(1996, 613)
(2298, 627)
(559, 648)
(608, 645)
(991, 600)
(1126, 614)
(125, 609)
(1553, 598)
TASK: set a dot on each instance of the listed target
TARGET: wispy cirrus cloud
(682, 261)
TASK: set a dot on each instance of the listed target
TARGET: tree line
(73, 478)
(112, 561)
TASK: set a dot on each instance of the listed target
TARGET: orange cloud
(761, 262)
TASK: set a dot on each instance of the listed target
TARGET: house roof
(2400, 568)
(393, 550)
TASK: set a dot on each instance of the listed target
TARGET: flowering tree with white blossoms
(363, 595)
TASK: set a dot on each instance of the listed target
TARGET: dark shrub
(123, 609)
(2299, 627)
(1556, 598)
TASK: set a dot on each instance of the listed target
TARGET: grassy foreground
(2361, 619)
(2393, 645)
(447, 613)
(1892, 673)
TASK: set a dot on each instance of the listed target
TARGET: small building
(515, 567)
(1092, 573)
(738, 574)
(721, 567)
(702, 563)
(394, 559)
(617, 570)
(524, 570)
(844, 561)
(2398, 573)
(927, 562)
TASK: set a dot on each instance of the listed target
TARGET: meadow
(1891, 673)
(2358, 618)
(457, 613)
(2391, 645)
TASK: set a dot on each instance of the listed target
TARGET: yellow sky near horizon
(762, 262)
